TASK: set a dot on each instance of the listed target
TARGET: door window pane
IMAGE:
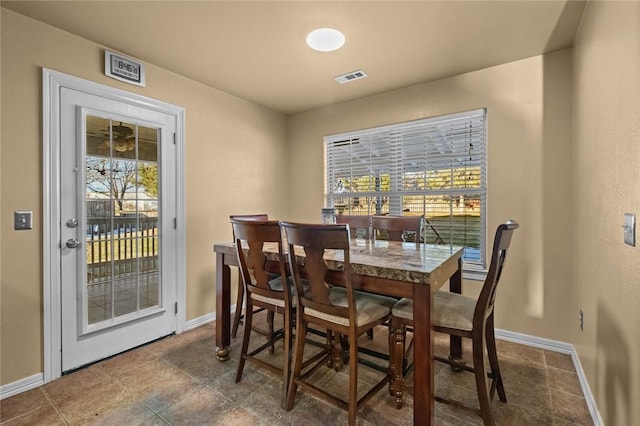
(122, 237)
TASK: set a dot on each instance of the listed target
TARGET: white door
(117, 226)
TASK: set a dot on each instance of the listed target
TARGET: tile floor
(178, 381)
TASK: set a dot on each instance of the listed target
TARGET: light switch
(22, 220)
(629, 229)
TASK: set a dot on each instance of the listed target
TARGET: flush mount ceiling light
(325, 39)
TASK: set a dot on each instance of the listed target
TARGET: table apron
(372, 284)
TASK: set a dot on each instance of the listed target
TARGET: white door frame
(52, 81)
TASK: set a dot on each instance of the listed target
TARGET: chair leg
(397, 338)
(301, 335)
(245, 341)
(481, 380)
(237, 316)
(370, 333)
(329, 348)
(392, 363)
(270, 316)
(344, 349)
(286, 375)
(353, 383)
(338, 351)
(493, 359)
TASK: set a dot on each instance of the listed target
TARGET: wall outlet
(581, 320)
(629, 229)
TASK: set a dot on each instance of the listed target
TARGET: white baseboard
(591, 402)
(21, 385)
(197, 322)
(536, 342)
(205, 319)
(565, 348)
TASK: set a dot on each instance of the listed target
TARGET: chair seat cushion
(369, 307)
(276, 285)
(450, 310)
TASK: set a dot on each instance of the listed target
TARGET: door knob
(72, 243)
(72, 223)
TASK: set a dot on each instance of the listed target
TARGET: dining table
(397, 269)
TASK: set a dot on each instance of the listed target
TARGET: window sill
(474, 274)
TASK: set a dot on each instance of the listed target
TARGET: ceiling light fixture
(325, 39)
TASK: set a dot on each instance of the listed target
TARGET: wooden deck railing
(122, 246)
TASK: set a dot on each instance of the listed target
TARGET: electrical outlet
(581, 320)
(629, 229)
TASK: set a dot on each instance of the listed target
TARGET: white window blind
(435, 168)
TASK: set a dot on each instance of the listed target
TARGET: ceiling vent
(350, 76)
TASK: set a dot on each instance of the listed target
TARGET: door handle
(72, 243)
(72, 223)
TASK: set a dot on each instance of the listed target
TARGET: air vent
(351, 76)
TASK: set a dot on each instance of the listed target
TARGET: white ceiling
(256, 49)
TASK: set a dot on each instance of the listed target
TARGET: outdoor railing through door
(121, 246)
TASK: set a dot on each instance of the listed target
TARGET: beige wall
(225, 137)
(529, 172)
(607, 185)
(568, 196)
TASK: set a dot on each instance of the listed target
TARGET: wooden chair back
(356, 223)
(250, 237)
(313, 240)
(240, 295)
(397, 227)
(260, 216)
(487, 297)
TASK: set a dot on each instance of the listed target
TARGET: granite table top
(409, 262)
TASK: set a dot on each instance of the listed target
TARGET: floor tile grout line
(55, 407)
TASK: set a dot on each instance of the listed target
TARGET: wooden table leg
(223, 308)
(423, 373)
(455, 342)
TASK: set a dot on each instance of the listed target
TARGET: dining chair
(462, 316)
(397, 228)
(339, 310)
(262, 291)
(359, 225)
(237, 316)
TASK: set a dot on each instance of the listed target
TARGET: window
(435, 168)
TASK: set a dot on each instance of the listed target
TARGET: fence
(121, 246)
